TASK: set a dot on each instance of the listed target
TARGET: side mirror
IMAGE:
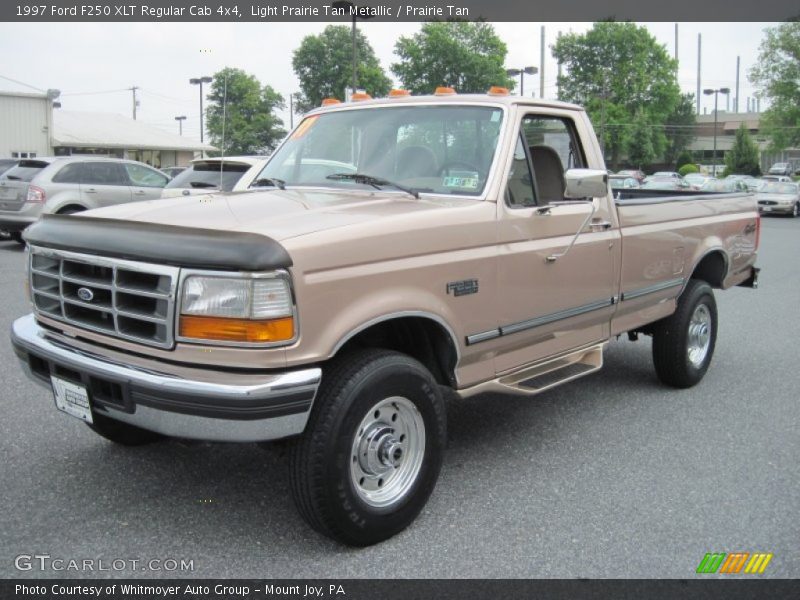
(586, 183)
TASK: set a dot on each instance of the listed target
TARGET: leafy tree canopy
(250, 124)
(324, 65)
(468, 56)
(777, 74)
(742, 158)
(618, 71)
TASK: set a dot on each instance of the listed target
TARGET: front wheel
(683, 343)
(796, 210)
(371, 453)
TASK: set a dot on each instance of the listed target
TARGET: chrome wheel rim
(387, 452)
(699, 335)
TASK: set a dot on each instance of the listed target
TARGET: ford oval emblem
(85, 294)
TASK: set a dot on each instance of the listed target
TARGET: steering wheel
(445, 168)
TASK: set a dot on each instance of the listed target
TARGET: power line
(22, 83)
(96, 93)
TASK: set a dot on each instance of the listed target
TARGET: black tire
(121, 433)
(675, 364)
(322, 460)
(795, 211)
(17, 237)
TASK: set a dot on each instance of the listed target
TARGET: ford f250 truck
(390, 251)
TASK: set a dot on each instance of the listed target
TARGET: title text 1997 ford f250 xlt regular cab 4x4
(389, 249)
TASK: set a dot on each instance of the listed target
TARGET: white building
(26, 123)
(30, 126)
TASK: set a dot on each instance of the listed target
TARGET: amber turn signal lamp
(236, 330)
(496, 90)
(444, 91)
(330, 101)
(399, 93)
(358, 96)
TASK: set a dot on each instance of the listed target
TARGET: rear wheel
(684, 342)
(17, 237)
(371, 453)
(121, 433)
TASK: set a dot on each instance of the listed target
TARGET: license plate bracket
(72, 398)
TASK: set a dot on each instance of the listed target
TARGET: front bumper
(776, 209)
(262, 406)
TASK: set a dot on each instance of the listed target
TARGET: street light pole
(522, 72)
(180, 121)
(200, 81)
(345, 5)
(716, 93)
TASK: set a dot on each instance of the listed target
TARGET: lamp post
(350, 8)
(200, 81)
(180, 121)
(522, 72)
(716, 93)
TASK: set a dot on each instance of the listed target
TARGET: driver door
(558, 289)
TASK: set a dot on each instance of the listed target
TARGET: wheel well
(419, 337)
(711, 269)
(70, 208)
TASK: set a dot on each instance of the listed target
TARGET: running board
(533, 380)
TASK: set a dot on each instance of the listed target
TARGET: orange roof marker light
(399, 94)
(359, 96)
(444, 91)
(497, 90)
(330, 101)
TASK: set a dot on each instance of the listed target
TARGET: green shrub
(688, 168)
(684, 158)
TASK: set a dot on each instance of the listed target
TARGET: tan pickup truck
(390, 251)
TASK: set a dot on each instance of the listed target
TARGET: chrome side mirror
(586, 183)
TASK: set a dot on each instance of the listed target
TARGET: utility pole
(736, 99)
(558, 75)
(541, 66)
(180, 120)
(699, 46)
(133, 89)
(291, 111)
(676, 47)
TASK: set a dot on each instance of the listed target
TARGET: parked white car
(204, 175)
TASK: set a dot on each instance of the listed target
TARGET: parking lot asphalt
(613, 475)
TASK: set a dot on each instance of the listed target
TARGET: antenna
(224, 115)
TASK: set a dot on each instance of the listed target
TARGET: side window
(554, 148)
(144, 177)
(103, 173)
(70, 173)
(520, 191)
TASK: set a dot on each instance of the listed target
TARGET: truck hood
(279, 214)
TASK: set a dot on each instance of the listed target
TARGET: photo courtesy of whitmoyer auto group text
(399, 300)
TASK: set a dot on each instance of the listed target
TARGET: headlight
(227, 309)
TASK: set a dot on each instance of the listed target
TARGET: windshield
(206, 175)
(434, 149)
(778, 188)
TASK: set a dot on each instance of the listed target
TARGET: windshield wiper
(269, 181)
(375, 182)
(202, 184)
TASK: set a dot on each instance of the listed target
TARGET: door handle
(599, 225)
(139, 192)
(91, 191)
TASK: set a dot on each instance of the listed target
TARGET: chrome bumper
(265, 406)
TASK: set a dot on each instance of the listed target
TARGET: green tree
(250, 124)
(679, 130)
(324, 65)
(641, 150)
(618, 71)
(464, 55)
(777, 74)
(684, 158)
(742, 158)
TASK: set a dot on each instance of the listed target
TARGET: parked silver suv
(71, 184)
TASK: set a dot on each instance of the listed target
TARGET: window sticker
(464, 180)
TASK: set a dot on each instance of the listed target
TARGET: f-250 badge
(464, 287)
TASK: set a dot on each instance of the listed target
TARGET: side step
(533, 380)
